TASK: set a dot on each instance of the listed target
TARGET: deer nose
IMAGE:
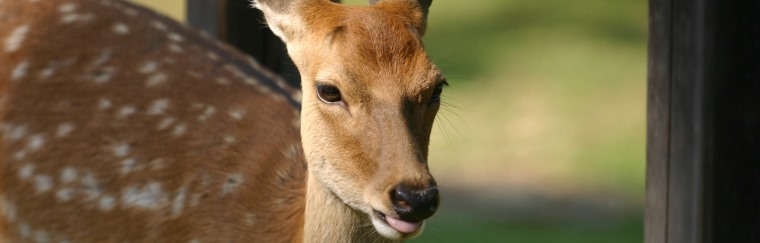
(414, 205)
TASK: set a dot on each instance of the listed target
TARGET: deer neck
(327, 219)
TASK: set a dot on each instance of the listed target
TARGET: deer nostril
(414, 204)
(398, 198)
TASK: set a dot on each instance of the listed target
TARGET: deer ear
(421, 6)
(283, 17)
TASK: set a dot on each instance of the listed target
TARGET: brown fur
(266, 154)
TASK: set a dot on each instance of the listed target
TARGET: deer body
(119, 125)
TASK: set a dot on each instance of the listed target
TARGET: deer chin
(394, 228)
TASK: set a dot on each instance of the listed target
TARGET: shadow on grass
(524, 218)
(472, 229)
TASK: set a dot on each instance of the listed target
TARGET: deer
(121, 125)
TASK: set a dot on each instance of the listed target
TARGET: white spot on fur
(158, 25)
(91, 186)
(104, 104)
(156, 79)
(107, 203)
(24, 230)
(175, 37)
(16, 38)
(64, 129)
(19, 155)
(14, 133)
(255, 83)
(148, 67)
(157, 164)
(291, 151)
(175, 48)
(126, 111)
(68, 175)
(35, 142)
(179, 202)
(165, 123)
(150, 196)
(236, 114)
(194, 74)
(7, 209)
(158, 107)
(235, 71)
(53, 67)
(104, 75)
(41, 237)
(283, 175)
(297, 96)
(128, 165)
(180, 129)
(208, 112)
(69, 18)
(47, 72)
(25, 171)
(213, 56)
(102, 58)
(20, 70)
(64, 194)
(230, 139)
(43, 183)
(233, 181)
(121, 150)
(250, 219)
(120, 28)
(222, 81)
(67, 7)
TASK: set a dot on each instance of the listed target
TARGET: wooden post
(206, 15)
(235, 22)
(703, 151)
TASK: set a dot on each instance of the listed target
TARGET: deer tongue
(403, 226)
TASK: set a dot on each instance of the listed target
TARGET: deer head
(370, 95)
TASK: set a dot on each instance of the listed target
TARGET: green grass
(555, 88)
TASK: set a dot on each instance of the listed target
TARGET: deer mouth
(395, 228)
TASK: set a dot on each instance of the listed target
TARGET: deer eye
(328, 93)
(436, 94)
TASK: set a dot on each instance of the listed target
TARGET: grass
(465, 229)
(542, 138)
(553, 89)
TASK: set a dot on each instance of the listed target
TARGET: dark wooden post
(235, 22)
(205, 15)
(703, 152)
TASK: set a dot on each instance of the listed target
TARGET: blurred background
(542, 134)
